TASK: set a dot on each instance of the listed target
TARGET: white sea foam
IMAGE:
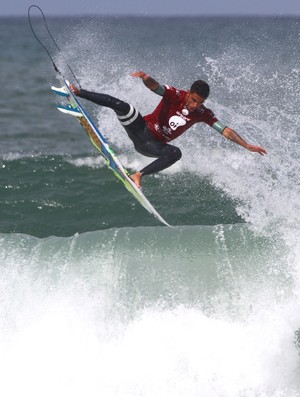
(81, 315)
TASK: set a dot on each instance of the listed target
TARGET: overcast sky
(154, 7)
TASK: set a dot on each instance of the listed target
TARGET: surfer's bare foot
(137, 179)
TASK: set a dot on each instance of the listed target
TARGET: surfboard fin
(70, 110)
(62, 91)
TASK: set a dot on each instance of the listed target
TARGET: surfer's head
(196, 95)
(200, 88)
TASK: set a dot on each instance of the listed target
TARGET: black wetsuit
(138, 131)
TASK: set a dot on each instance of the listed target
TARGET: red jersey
(171, 119)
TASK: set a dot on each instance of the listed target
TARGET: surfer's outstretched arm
(230, 134)
(150, 82)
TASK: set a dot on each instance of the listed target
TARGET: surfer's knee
(121, 107)
(175, 153)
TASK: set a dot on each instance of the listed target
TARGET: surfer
(177, 111)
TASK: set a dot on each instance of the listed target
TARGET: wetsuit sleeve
(160, 90)
(219, 126)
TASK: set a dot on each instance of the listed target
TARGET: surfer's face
(193, 101)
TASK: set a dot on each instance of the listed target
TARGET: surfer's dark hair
(201, 88)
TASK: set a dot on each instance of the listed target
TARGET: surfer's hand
(74, 89)
(141, 75)
(149, 81)
(256, 149)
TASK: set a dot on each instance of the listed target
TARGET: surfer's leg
(120, 107)
(167, 155)
(128, 116)
(147, 145)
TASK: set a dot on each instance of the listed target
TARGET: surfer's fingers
(138, 74)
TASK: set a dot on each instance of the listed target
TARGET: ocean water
(99, 299)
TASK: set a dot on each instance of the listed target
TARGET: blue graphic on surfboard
(73, 107)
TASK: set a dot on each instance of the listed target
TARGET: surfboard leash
(54, 42)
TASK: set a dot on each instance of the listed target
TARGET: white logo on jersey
(176, 121)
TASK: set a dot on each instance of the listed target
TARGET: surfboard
(72, 106)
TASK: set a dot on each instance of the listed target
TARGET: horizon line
(145, 15)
